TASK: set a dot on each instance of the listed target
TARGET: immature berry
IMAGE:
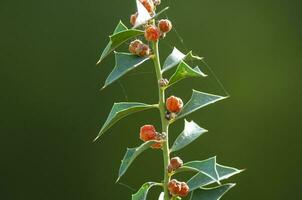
(176, 163)
(174, 187)
(174, 104)
(147, 132)
(165, 25)
(133, 18)
(152, 33)
(184, 189)
(134, 46)
(148, 4)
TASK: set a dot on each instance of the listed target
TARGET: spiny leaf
(185, 71)
(143, 191)
(197, 101)
(124, 62)
(190, 133)
(176, 57)
(200, 179)
(207, 167)
(211, 193)
(120, 35)
(130, 156)
(173, 59)
(121, 110)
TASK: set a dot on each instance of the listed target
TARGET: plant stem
(164, 121)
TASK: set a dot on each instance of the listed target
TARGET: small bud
(176, 163)
(156, 2)
(170, 168)
(174, 187)
(152, 33)
(147, 132)
(165, 25)
(184, 189)
(174, 104)
(163, 82)
(133, 18)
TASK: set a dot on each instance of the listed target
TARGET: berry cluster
(152, 32)
(138, 48)
(177, 188)
(148, 132)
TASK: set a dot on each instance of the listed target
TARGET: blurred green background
(51, 107)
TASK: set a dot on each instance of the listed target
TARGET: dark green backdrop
(51, 108)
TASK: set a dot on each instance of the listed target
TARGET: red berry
(134, 45)
(133, 18)
(148, 4)
(174, 187)
(152, 33)
(176, 163)
(165, 25)
(184, 189)
(147, 132)
(174, 104)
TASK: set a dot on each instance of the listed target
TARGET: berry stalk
(164, 121)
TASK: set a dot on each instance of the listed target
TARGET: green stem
(164, 121)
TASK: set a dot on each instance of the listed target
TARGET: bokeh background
(51, 107)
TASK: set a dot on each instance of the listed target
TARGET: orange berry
(165, 25)
(184, 189)
(174, 104)
(147, 132)
(152, 33)
(133, 18)
(174, 187)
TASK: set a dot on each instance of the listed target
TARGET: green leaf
(200, 179)
(120, 35)
(130, 156)
(211, 193)
(143, 191)
(124, 62)
(207, 167)
(176, 57)
(121, 110)
(197, 101)
(185, 71)
(190, 133)
(173, 59)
